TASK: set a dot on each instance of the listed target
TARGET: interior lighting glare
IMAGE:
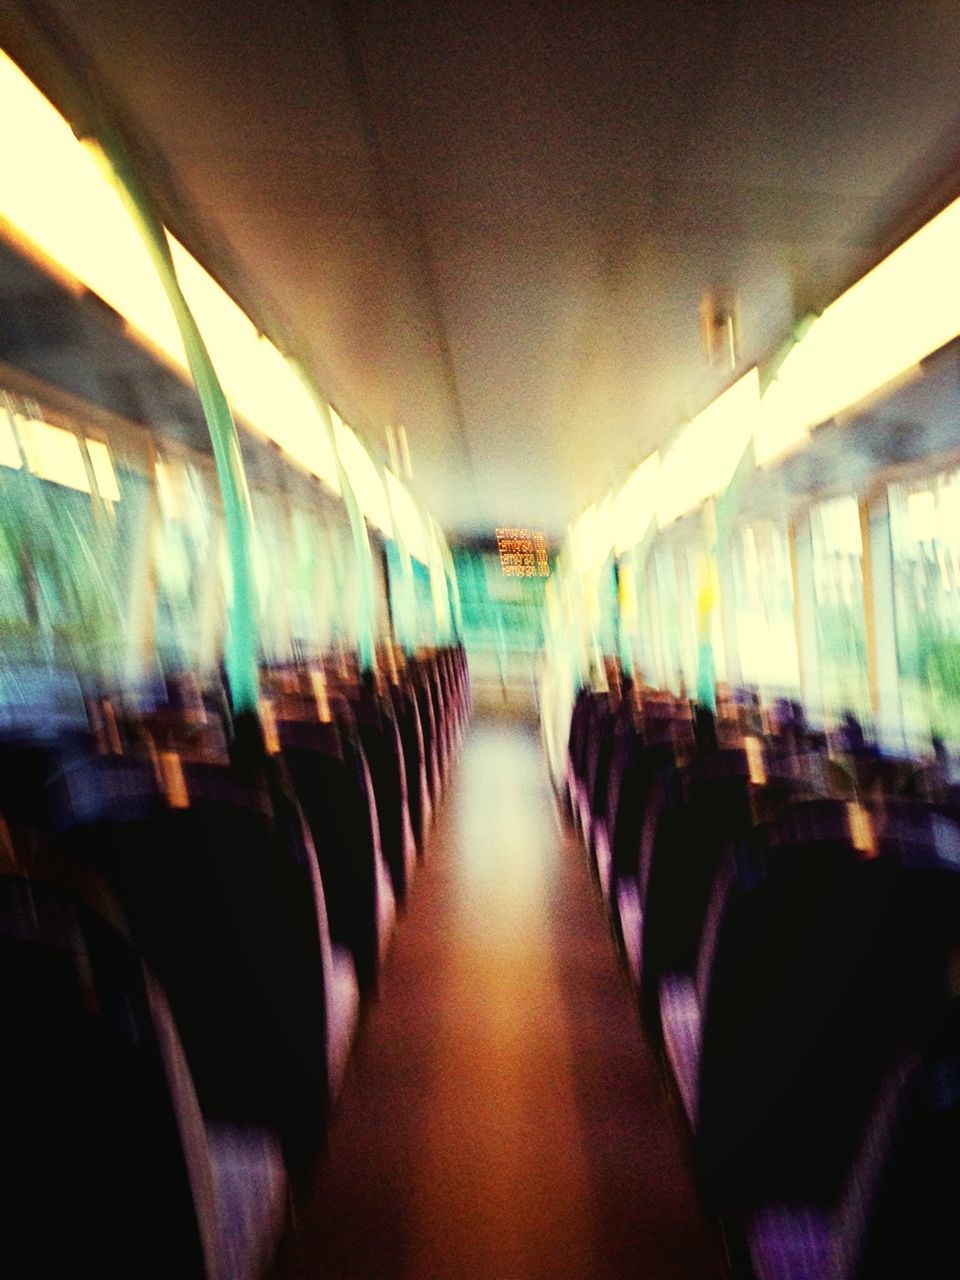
(592, 537)
(55, 197)
(702, 459)
(781, 426)
(438, 582)
(171, 483)
(54, 454)
(258, 381)
(837, 521)
(907, 307)
(627, 594)
(922, 516)
(58, 199)
(408, 520)
(635, 506)
(103, 472)
(363, 475)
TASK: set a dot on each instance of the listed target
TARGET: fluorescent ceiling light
(258, 381)
(364, 476)
(57, 198)
(635, 506)
(703, 457)
(899, 313)
(593, 537)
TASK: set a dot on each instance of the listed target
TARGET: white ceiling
(493, 221)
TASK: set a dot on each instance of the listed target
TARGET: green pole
(407, 613)
(366, 622)
(445, 565)
(241, 648)
(453, 587)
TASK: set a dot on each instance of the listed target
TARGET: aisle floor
(503, 1118)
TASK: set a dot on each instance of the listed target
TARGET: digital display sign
(523, 553)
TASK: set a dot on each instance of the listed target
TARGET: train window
(702, 590)
(674, 588)
(9, 449)
(925, 538)
(16, 601)
(305, 568)
(53, 453)
(665, 590)
(502, 615)
(103, 472)
(189, 595)
(838, 588)
(364, 477)
(272, 572)
(68, 566)
(312, 595)
(763, 607)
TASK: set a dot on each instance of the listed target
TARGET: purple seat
(792, 1242)
(414, 759)
(96, 1174)
(221, 900)
(682, 1016)
(330, 779)
(895, 1213)
(251, 1196)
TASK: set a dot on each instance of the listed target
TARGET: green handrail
(407, 614)
(366, 622)
(242, 644)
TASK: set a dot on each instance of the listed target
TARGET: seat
(814, 957)
(96, 1175)
(221, 900)
(693, 814)
(895, 1213)
(414, 759)
(328, 777)
(379, 737)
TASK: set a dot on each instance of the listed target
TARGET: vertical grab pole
(439, 584)
(453, 585)
(366, 622)
(407, 614)
(241, 647)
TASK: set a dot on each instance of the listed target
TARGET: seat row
(191, 916)
(787, 904)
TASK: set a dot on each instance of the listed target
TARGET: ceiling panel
(493, 222)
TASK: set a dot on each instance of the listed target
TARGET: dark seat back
(94, 1175)
(222, 907)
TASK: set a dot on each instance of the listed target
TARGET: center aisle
(503, 1118)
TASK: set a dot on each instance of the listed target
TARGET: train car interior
(480, 640)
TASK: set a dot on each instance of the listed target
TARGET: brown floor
(503, 1118)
